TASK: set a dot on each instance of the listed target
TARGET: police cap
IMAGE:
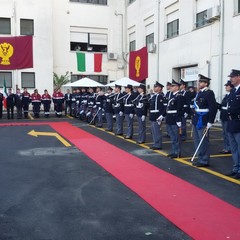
(234, 73)
(203, 78)
(117, 86)
(174, 83)
(142, 86)
(228, 83)
(183, 82)
(157, 84)
(129, 86)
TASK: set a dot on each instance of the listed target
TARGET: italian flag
(89, 62)
(4, 95)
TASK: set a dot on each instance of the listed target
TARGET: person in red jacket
(58, 100)
(46, 101)
(36, 103)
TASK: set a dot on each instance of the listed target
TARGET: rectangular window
(150, 39)
(103, 79)
(100, 2)
(26, 27)
(92, 42)
(173, 28)
(5, 26)
(238, 8)
(7, 76)
(201, 19)
(28, 79)
(132, 46)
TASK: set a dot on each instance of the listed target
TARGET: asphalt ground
(51, 191)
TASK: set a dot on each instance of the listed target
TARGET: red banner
(16, 53)
(138, 64)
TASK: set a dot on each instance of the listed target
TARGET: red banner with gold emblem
(16, 53)
(138, 64)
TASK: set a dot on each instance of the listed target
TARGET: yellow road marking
(52, 134)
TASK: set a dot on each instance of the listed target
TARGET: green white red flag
(89, 62)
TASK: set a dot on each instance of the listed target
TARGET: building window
(100, 2)
(132, 46)
(173, 28)
(26, 27)
(103, 79)
(201, 19)
(7, 76)
(28, 79)
(238, 6)
(5, 26)
(91, 42)
(150, 39)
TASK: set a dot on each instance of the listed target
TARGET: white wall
(41, 12)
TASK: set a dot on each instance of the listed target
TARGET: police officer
(156, 115)
(26, 99)
(224, 118)
(187, 100)
(83, 104)
(233, 126)
(118, 109)
(18, 103)
(129, 110)
(141, 104)
(99, 106)
(174, 114)
(108, 106)
(10, 103)
(205, 109)
(46, 101)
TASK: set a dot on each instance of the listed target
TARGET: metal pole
(206, 130)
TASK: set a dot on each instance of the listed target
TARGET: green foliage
(59, 81)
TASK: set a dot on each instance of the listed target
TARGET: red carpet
(198, 213)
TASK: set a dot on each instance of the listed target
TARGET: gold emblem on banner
(6, 51)
(138, 66)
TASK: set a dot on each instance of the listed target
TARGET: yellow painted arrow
(52, 134)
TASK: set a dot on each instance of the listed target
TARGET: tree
(59, 81)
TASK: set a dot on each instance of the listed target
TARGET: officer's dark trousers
(10, 110)
(109, 119)
(156, 134)
(141, 129)
(234, 139)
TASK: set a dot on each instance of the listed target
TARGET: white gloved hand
(140, 105)
(209, 125)
(94, 106)
(117, 105)
(99, 108)
(131, 115)
(179, 124)
(185, 115)
(77, 102)
(160, 118)
(120, 113)
(143, 118)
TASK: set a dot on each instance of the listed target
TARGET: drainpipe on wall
(221, 52)
(158, 38)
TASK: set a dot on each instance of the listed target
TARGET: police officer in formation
(11, 98)
(233, 126)
(118, 109)
(129, 97)
(108, 106)
(205, 109)
(223, 107)
(99, 99)
(1, 104)
(141, 108)
(156, 115)
(18, 103)
(174, 115)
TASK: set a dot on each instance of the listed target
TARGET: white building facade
(184, 38)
